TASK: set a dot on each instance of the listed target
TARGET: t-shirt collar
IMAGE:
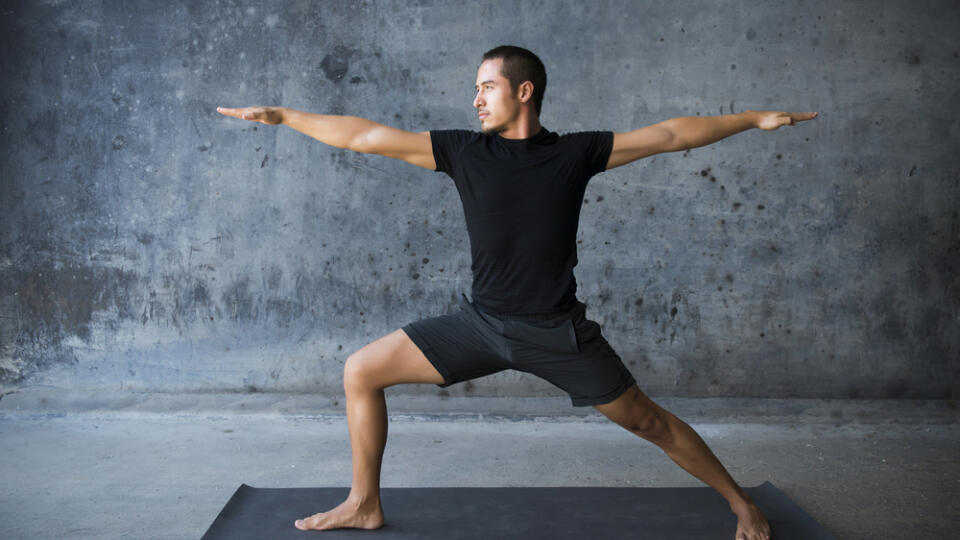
(533, 139)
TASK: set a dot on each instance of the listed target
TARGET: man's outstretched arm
(349, 132)
(693, 131)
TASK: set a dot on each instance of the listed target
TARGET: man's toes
(308, 523)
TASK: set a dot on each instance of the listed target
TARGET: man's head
(509, 78)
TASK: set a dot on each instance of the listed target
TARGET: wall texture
(149, 243)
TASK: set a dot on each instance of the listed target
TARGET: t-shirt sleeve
(597, 146)
(447, 144)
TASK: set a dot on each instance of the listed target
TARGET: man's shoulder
(455, 137)
(456, 132)
(584, 134)
(586, 139)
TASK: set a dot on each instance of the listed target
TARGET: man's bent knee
(639, 415)
(651, 424)
(357, 372)
(389, 360)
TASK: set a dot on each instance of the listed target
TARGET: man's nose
(477, 101)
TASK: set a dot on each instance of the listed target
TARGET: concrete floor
(863, 469)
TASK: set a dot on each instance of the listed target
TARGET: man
(521, 187)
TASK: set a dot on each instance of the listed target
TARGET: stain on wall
(149, 243)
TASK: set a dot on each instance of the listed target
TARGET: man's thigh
(591, 374)
(391, 359)
(459, 345)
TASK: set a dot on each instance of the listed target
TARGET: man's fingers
(266, 115)
(804, 116)
(236, 113)
(245, 113)
(791, 118)
(774, 119)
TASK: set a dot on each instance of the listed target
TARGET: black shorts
(565, 349)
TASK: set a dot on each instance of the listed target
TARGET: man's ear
(525, 91)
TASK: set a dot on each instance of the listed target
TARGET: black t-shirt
(521, 199)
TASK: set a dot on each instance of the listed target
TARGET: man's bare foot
(751, 523)
(350, 514)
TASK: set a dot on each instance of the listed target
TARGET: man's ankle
(358, 500)
(743, 504)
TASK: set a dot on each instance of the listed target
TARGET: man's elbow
(357, 144)
(678, 144)
(364, 142)
(363, 136)
(674, 141)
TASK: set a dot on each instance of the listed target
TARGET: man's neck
(524, 128)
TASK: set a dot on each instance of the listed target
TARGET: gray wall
(149, 243)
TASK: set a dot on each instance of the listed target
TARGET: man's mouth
(483, 114)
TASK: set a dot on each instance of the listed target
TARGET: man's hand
(266, 115)
(770, 120)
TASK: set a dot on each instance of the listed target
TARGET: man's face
(495, 102)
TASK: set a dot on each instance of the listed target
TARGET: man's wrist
(285, 113)
(753, 116)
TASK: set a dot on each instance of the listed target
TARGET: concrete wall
(149, 243)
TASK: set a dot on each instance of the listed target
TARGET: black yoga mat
(527, 513)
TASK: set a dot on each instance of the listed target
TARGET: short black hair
(521, 65)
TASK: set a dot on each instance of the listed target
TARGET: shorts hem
(432, 357)
(606, 398)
